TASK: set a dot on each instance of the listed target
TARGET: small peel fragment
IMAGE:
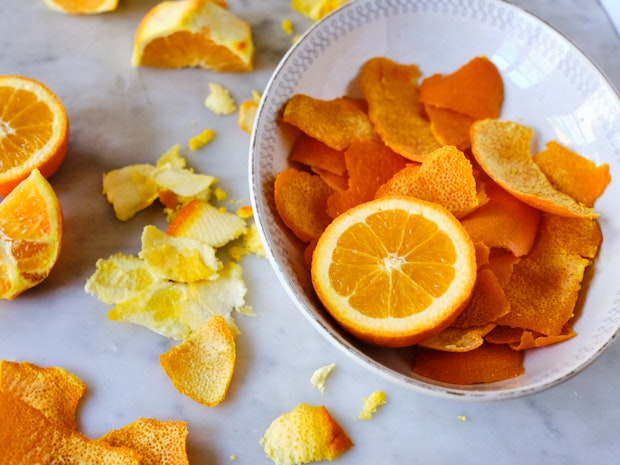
(320, 375)
(371, 404)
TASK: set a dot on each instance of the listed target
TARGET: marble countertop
(121, 115)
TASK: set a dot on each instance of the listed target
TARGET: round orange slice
(31, 229)
(394, 271)
(82, 7)
(34, 130)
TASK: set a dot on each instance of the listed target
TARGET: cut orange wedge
(31, 230)
(34, 130)
(394, 271)
(193, 33)
(82, 7)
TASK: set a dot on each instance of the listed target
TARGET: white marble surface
(119, 115)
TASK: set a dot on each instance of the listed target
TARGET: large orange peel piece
(502, 148)
(544, 285)
(391, 91)
(337, 123)
(369, 165)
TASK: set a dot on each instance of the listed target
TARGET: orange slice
(502, 148)
(31, 230)
(197, 33)
(34, 130)
(82, 7)
(394, 271)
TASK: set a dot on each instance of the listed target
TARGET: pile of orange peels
(439, 139)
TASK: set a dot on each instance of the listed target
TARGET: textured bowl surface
(549, 85)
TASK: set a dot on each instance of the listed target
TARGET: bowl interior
(549, 85)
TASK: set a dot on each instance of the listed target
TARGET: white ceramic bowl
(549, 85)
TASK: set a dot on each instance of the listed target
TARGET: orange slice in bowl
(34, 130)
(394, 271)
(189, 33)
(31, 230)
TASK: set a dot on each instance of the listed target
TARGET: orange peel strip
(502, 148)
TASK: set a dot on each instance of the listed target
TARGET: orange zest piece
(391, 91)
(337, 123)
(31, 226)
(301, 201)
(444, 177)
(502, 148)
(486, 364)
(82, 7)
(394, 271)
(573, 174)
(369, 165)
(200, 33)
(34, 130)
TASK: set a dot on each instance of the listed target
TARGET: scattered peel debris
(219, 101)
(320, 375)
(371, 404)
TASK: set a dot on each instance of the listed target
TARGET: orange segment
(573, 174)
(34, 130)
(391, 91)
(486, 364)
(476, 89)
(369, 165)
(301, 201)
(394, 271)
(502, 148)
(31, 230)
(337, 123)
(504, 222)
(176, 34)
(444, 177)
(82, 7)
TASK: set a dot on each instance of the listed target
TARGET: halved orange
(176, 34)
(34, 130)
(82, 7)
(31, 230)
(395, 270)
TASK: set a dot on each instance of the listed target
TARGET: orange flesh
(395, 276)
